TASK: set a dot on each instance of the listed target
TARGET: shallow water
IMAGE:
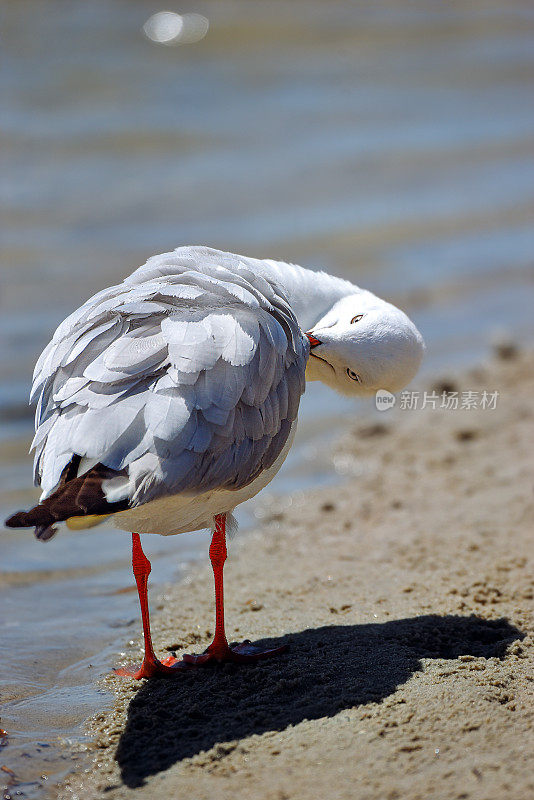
(388, 142)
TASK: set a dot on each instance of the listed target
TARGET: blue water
(389, 142)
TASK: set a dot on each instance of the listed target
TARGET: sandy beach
(386, 143)
(406, 596)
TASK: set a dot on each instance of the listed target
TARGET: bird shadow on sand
(327, 670)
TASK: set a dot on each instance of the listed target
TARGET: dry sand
(406, 596)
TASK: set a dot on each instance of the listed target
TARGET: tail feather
(45, 532)
(38, 517)
(76, 496)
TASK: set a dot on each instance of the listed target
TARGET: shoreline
(407, 599)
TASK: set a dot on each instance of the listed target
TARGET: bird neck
(310, 294)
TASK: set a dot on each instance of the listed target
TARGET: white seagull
(171, 398)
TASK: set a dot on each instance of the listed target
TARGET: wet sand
(406, 596)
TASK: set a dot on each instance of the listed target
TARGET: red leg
(219, 650)
(151, 665)
(219, 646)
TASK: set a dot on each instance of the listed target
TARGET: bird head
(364, 344)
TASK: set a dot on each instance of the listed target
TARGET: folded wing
(185, 378)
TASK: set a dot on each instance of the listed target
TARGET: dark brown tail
(74, 497)
(39, 518)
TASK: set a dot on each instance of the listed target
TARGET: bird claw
(244, 653)
(150, 669)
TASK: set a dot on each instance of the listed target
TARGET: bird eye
(353, 375)
(357, 318)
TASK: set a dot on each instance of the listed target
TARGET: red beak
(313, 341)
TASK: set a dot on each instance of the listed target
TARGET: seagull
(169, 399)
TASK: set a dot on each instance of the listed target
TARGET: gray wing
(186, 377)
